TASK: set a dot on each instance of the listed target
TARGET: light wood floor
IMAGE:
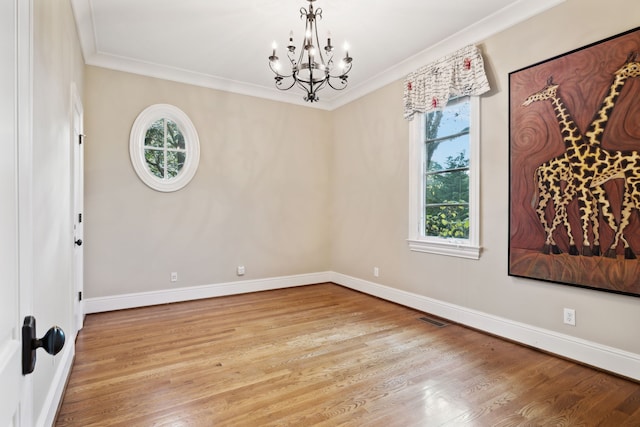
(322, 355)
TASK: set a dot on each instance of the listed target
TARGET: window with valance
(441, 102)
(430, 87)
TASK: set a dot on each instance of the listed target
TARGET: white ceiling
(224, 44)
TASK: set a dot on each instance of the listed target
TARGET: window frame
(418, 241)
(139, 129)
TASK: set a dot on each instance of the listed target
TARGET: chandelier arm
(320, 85)
(311, 81)
(278, 73)
(292, 61)
(279, 87)
(303, 49)
(318, 49)
(312, 90)
(306, 89)
(344, 69)
(344, 72)
(343, 81)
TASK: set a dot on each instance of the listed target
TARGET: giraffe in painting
(594, 137)
(550, 175)
(579, 177)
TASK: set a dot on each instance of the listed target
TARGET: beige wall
(286, 190)
(369, 193)
(57, 64)
(258, 199)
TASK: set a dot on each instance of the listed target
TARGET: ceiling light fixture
(312, 70)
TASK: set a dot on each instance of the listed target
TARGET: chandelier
(312, 70)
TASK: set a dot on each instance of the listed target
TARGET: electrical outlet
(174, 276)
(570, 316)
(240, 270)
(376, 272)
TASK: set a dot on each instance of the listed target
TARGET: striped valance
(430, 87)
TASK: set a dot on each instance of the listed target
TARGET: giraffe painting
(574, 174)
(551, 173)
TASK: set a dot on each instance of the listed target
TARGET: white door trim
(77, 191)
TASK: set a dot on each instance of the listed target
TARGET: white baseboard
(54, 397)
(600, 356)
(142, 299)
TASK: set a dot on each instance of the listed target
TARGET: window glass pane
(447, 221)
(175, 162)
(447, 187)
(155, 162)
(453, 120)
(155, 134)
(448, 153)
(175, 139)
(446, 198)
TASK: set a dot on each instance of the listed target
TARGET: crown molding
(481, 30)
(493, 24)
(164, 72)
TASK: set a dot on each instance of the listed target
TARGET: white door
(15, 298)
(10, 338)
(77, 139)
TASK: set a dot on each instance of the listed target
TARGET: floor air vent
(434, 322)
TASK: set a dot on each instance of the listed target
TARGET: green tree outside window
(446, 177)
(164, 149)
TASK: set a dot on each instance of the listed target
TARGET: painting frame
(574, 138)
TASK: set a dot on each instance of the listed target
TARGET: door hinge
(79, 217)
(80, 296)
(80, 139)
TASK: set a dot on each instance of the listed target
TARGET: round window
(164, 147)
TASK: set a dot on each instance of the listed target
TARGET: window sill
(460, 250)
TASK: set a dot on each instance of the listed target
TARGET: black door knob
(78, 242)
(52, 342)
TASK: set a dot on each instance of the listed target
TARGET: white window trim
(463, 248)
(136, 147)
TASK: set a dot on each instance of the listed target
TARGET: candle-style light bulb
(273, 58)
(290, 46)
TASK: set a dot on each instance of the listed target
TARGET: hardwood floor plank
(327, 356)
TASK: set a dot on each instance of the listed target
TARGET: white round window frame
(136, 147)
